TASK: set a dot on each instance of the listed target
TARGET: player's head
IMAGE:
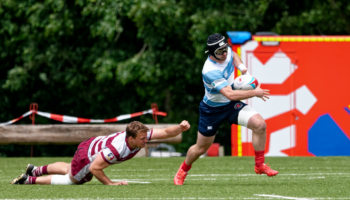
(135, 128)
(217, 45)
(136, 134)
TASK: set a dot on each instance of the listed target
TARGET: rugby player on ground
(97, 153)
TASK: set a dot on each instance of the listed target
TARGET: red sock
(185, 167)
(31, 180)
(45, 170)
(259, 158)
(39, 171)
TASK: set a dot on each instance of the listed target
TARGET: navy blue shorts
(210, 118)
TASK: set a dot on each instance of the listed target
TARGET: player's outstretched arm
(236, 95)
(96, 168)
(171, 131)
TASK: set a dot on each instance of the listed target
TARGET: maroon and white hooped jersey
(114, 148)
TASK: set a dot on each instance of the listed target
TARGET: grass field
(210, 178)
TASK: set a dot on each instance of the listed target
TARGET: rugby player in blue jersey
(221, 103)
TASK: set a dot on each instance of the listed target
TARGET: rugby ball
(245, 82)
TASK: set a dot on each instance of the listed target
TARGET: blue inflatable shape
(327, 139)
(239, 37)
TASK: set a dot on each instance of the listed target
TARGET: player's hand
(244, 71)
(121, 183)
(262, 93)
(184, 125)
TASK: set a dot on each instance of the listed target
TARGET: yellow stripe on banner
(239, 141)
(239, 54)
(349, 106)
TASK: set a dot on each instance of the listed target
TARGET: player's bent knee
(61, 180)
(258, 124)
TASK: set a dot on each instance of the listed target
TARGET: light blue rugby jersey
(215, 77)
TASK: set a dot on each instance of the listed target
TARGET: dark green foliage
(100, 59)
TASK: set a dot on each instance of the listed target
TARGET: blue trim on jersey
(222, 85)
(213, 75)
(211, 90)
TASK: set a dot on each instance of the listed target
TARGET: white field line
(283, 197)
(128, 175)
(297, 198)
(138, 170)
(130, 180)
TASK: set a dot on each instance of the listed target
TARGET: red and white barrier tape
(70, 119)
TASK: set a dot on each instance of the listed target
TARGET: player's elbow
(229, 93)
(166, 135)
(233, 98)
(93, 169)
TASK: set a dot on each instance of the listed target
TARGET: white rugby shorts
(245, 114)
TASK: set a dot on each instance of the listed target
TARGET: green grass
(209, 178)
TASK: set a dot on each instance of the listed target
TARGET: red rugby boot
(265, 169)
(180, 177)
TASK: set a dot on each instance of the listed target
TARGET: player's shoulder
(118, 134)
(118, 142)
(116, 138)
(209, 65)
(230, 53)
